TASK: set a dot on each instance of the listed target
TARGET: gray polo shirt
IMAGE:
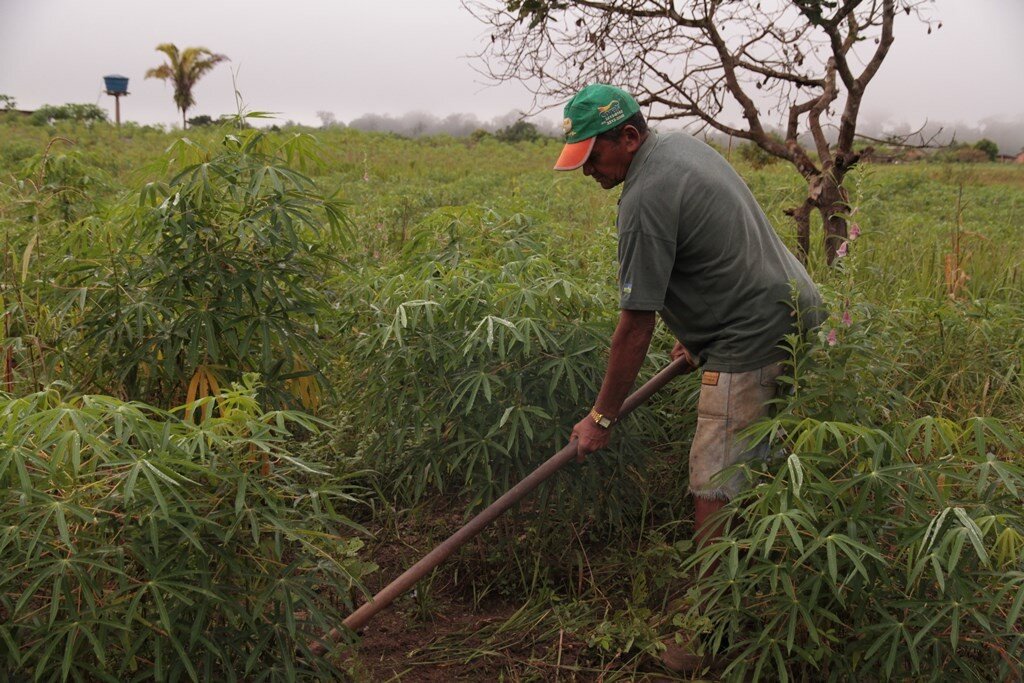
(695, 246)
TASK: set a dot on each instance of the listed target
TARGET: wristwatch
(600, 419)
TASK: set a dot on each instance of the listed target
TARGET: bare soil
(392, 646)
(435, 636)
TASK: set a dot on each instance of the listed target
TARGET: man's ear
(632, 138)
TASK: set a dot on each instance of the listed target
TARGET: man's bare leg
(704, 531)
(680, 656)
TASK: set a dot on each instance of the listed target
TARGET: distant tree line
(49, 113)
(511, 127)
(993, 136)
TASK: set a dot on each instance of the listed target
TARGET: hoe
(408, 579)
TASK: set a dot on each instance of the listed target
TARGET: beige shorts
(729, 403)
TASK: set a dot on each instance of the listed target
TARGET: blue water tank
(116, 84)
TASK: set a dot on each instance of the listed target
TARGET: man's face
(609, 159)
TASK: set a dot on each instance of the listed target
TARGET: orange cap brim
(574, 154)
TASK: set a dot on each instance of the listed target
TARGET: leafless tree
(801, 63)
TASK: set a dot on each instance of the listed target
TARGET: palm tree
(184, 69)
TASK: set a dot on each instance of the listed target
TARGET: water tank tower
(117, 86)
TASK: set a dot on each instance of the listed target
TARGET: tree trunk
(802, 217)
(834, 206)
(826, 194)
(184, 123)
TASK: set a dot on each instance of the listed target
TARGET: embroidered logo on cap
(611, 112)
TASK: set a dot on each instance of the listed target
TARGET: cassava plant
(61, 184)
(139, 546)
(217, 276)
(51, 221)
(884, 546)
(473, 354)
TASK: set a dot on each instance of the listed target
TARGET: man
(695, 247)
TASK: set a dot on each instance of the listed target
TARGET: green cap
(593, 110)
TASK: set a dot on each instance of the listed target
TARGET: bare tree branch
(741, 67)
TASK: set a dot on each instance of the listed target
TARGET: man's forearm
(630, 342)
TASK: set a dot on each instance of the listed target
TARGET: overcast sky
(353, 57)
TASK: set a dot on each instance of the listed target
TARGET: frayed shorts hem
(711, 494)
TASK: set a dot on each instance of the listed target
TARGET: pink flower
(841, 251)
(847, 320)
(832, 337)
(854, 231)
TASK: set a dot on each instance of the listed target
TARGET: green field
(249, 376)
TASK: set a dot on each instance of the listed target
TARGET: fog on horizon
(406, 62)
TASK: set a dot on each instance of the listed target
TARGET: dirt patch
(462, 624)
(395, 646)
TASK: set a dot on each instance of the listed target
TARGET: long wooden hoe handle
(408, 579)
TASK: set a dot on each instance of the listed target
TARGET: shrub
(217, 276)
(201, 120)
(49, 113)
(520, 131)
(961, 154)
(62, 184)
(14, 152)
(754, 155)
(137, 546)
(236, 121)
(990, 148)
(870, 553)
(474, 353)
(52, 225)
(969, 155)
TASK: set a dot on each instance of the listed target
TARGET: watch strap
(600, 419)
